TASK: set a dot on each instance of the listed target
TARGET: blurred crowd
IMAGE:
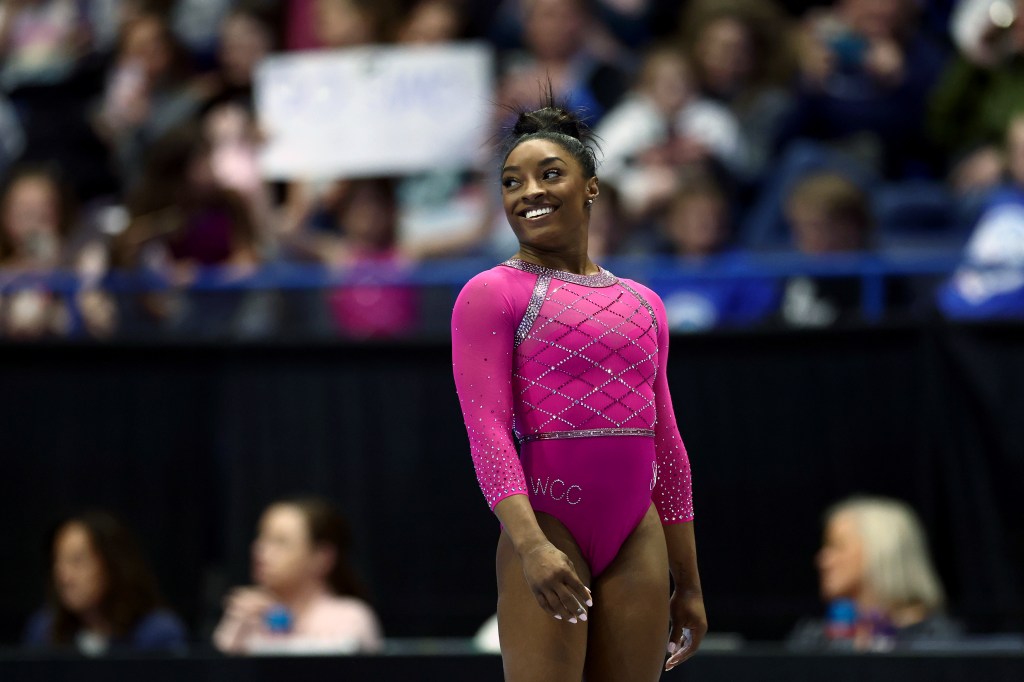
(305, 596)
(130, 144)
(879, 588)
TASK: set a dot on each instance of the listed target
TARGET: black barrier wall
(756, 666)
(188, 443)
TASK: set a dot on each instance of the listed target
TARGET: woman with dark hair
(150, 91)
(560, 368)
(743, 60)
(103, 596)
(182, 203)
(307, 596)
(183, 217)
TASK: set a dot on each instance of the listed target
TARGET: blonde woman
(874, 563)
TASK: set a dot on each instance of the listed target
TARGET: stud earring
(590, 202)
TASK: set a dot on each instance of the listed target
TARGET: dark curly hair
(553, 122)
(131, 592)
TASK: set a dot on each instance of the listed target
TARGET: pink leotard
(572, 368)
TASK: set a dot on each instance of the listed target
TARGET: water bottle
(278, 620)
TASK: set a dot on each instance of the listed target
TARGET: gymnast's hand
(689, 625)
(553, 579)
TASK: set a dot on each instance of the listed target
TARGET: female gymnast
(562, 358)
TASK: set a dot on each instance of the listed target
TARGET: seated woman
(102, 595)
(192, 210)
(990, 282)
(41, 236)
(307, 596)
(878, 577)
(353, 228)
(665, 129)
(697, 230)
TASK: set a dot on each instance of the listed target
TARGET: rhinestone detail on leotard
(643, 301)
(540, 290)
(586, 433)
(590, 363)
(580, 339)
(599, 279)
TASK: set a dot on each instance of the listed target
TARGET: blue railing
(870, 268)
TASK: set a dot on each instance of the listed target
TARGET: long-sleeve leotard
(541, 354)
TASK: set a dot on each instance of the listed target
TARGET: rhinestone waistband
(586, 433)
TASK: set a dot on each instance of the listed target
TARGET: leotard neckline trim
(598, 279)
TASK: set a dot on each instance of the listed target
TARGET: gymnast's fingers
(581, 592)
(573, 608)
(553, 608)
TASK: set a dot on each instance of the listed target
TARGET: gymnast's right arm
(484, 323)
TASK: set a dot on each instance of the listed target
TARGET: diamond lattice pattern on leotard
(589, 361)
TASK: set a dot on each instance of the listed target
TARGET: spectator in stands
(877, 574)
(40, 41)
(37, 216)
(334, 24)
(330, 24)
(697, 223)
(980, 91)
(867, 72)
(443, 210)
(828, 214)
(555, 37)
(431, 22)
(38, 213)
(183, 218)
(181, 207)
(697, 229)
(149, 92)
(742, 59)
(230, 130)
(102, 595)
(354, 229)
(991, 282)
(662, 130)
(307, 597)
(51, 77)
(246, 38)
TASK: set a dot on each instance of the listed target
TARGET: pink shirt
(329, 624)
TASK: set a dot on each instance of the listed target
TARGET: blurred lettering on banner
(369, 111)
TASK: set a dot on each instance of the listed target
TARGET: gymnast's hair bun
(550, 119)
(553, 121)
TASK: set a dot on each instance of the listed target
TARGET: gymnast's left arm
(673, 497)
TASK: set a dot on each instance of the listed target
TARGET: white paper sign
(373, 111)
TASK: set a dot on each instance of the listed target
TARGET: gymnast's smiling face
(545, 194)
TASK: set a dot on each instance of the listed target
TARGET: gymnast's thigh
(629, 620)
(535, 646)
